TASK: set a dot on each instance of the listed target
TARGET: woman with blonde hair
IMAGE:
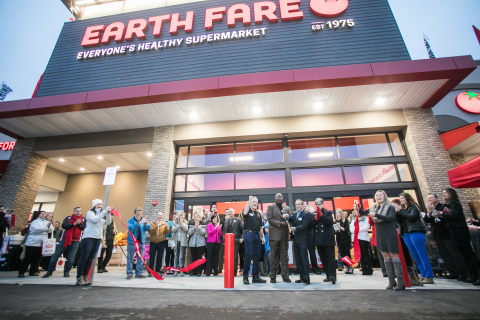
(383, 215)
(342, 233)
(196, 241)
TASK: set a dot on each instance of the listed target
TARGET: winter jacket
(410, 220)
(170, 225)
(133, 228)
(180, 229)
(110, 232)
(158, 233)
(363, 226)
(196, 236)
(214, 235)
(77, 235)
(37, 232)
(95, 223)
(455, 218)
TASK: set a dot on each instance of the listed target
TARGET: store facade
(206, 103)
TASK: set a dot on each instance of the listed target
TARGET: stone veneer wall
(429, 158)
(160, 174)
(20, 183)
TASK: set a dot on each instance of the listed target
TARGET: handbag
(48, 246)
(5, 246)
(60, 264)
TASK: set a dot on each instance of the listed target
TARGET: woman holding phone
(383, 215)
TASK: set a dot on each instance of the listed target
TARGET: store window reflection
(210, 182)
(180, 183)
(258, 152)
(312, 149)
(396, 144)
(317, 177)
(404, 172)
(209, 156)
(367, 146)
(260, 180)
(182, 157)
(370, 174)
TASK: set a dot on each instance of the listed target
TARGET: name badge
(300, 219)
(251, 214)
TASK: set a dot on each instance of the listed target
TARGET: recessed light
(240, 158)
(100, 157)
(320, 154)
(61, 160)
(118, 167)
(380, 101)
(82, 169)
(318, 105)
(149, 154)
(193, 114)
(256, 110)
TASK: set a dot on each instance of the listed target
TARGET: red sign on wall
(469, 101)
(7, 146)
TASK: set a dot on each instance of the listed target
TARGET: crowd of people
(261, 243)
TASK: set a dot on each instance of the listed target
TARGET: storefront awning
(466, 175)
(463, 140)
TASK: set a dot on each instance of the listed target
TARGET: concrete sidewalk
(116, 277)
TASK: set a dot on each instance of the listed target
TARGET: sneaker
(427, 281)
(140, 276)
(87, 282)
(46, 275)
(273, 280)
(129, 277)
(80, 281)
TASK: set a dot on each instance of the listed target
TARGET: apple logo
(469, 101)
(328, 8)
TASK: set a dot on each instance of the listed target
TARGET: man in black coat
(324, 238)
(311, 243)
(299, 222)
(233, 225)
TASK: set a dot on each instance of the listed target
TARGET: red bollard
(229, 261)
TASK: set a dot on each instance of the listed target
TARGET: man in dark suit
(299, 221)
(278, 238)
(325, 240)
(311, 243)
(233, 225)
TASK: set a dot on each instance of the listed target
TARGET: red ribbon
(136, 244)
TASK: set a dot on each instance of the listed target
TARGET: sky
(447, 23)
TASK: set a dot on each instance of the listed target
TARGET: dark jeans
(301, 257)
(69, 252)
(33, 255)
(197, 253)
(89, 252)
(327, 256)
(156, 253)
(252, 252)
(169, 256)
(241, 253)
(451, 256)
(344, 247)
(470, 261)
(213, 252)
(366, 258)
(103, 262)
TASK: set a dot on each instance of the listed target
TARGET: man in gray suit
(278, 238)
(233, 225)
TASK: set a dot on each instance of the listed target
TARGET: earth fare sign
(286, 10)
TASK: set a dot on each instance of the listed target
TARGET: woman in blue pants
(413, 232)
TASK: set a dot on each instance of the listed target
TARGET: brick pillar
(472, 194)
(20, 183)
(429, 158)
(160, 174)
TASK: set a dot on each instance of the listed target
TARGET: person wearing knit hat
(92, 239)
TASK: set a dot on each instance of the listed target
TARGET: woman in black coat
(459, 232)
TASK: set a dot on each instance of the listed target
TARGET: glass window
(260, 179)
(209, 156)
(404, 172)
(312, 149)
(396, 144)
(209, 182)
(182, 157)
(179, 205)
(364, 146)
(317, 177)
(370, 174)
(413, 193)
(180, 183)
(259, 152)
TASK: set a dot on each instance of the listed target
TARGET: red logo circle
(328, 8)
(468, 101)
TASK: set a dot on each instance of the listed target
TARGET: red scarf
(356, 245)
(69, 234)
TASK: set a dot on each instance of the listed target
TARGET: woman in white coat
(33, 251)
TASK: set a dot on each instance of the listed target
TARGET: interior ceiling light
(193, 114)
(118, 167)
(149, 154)
(83, 169)
(380, 101)
(256, 110)
(100, 157)
(318, 105)
(61, 160)
(241, 158)
(320, 154)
